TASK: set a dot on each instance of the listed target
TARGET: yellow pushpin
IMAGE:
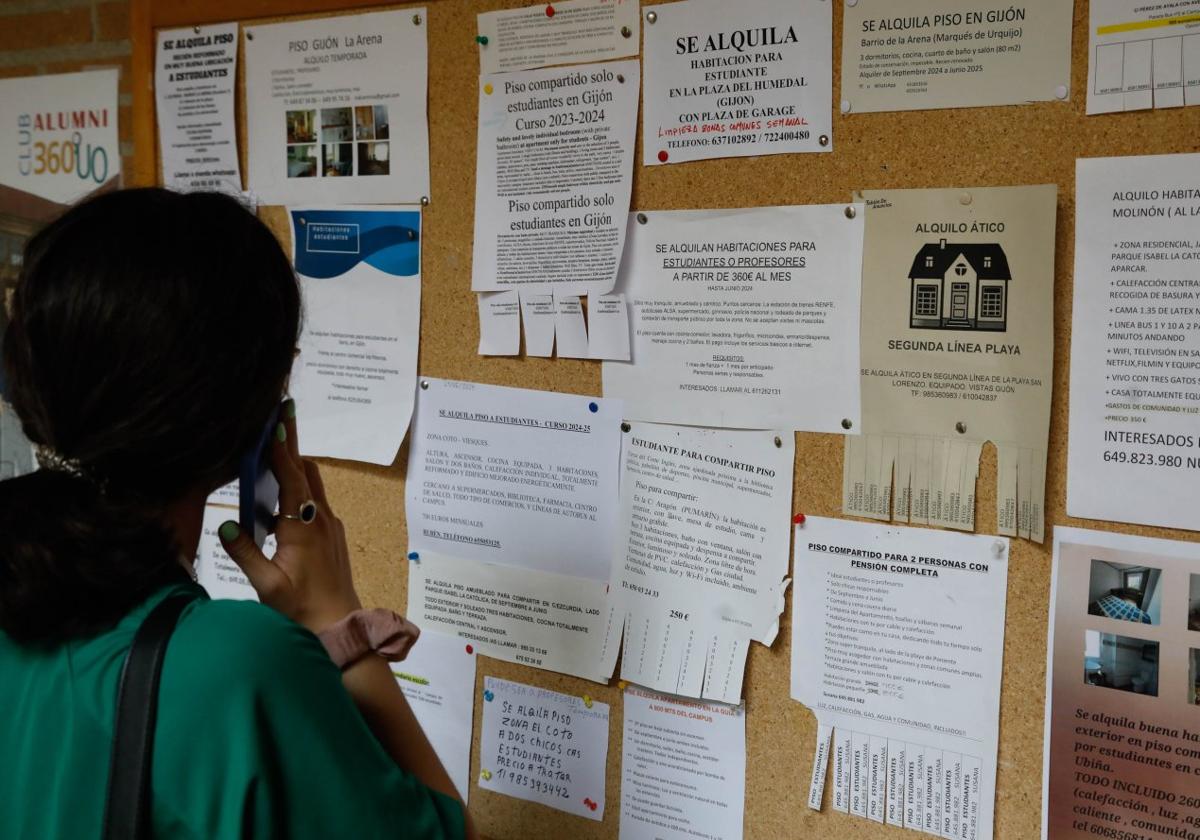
(587, 701)
(488, 88)
(621, 684)
(487, 775)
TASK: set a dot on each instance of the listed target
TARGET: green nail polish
(289, 409)
(280, 433)
(229, 531)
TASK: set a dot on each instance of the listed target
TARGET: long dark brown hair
(150, 336)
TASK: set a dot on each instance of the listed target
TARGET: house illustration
(959, 287)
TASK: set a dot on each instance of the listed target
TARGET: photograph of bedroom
(1120, 662)
(1126, 593)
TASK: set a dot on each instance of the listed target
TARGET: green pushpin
(481, 40)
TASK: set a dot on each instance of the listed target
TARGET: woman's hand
(309, 578)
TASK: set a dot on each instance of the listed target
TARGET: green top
(256, 737)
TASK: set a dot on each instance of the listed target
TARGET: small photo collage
(1133, 594)
(338, 142)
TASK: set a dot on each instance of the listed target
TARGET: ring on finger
(307, 513)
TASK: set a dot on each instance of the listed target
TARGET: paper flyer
(511, 501)
(737, 79)
(564, 32)
(683, 768)
(355, 378)
(957, 350)
(743, 318)
(1143, 55)
(553, 178)
(438, 679)
(194, 79)
(336, 109)
(1133, 448)
(1122, 746)
(905, 55)
(544, 746)
(699, 566)
(898, 648)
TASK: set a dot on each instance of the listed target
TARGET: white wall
(1104, 578)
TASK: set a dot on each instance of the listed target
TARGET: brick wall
(61, 36)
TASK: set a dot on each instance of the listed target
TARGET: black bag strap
(127, 814)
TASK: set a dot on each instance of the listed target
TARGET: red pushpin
(662, 156)
(549, 11)
(798, 519)
(470, 649)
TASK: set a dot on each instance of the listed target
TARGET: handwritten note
(544, 746)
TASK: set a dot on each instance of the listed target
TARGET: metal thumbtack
(620, 78)
(778, 442)
(651, 16)
(1061, 91)
(626, 32)
(847, 424)
(416, 20)
(196, 29)
(641, 217)
(625, 427)
(964, 199)
(960, 427)
(823, 140)
(302, 221)
(424, 201)
(851, 212)
(412, 234)
(845, 106)
(249, 36)
(997, 548)
(424, 384)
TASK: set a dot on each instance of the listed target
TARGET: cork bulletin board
(1031, 144)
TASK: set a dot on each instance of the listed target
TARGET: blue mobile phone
(258, 491)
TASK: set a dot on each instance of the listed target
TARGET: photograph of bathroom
(1126, 593)
(1120, 662)
(1194, 677)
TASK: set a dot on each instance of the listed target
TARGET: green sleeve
(257, 738)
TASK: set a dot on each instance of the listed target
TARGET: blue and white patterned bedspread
(1114, 607)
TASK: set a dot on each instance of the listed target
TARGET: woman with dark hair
(150, 339)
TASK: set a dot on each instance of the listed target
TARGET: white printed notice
(567, 32)
(898, 648)
(511, 504)
(743, 318)
(906, 55)
(1122, 744)
(683, 768)
(737, 79)
(215, 569)
(194, 92)
(335, 109)
(438, 679)
(957, 350)
(1143, 55)
(702, 555)
(544, 746)
(1133, 447)
(553, 178)
(353, 382)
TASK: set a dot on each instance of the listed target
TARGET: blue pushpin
(412, 555)
(592, 407)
